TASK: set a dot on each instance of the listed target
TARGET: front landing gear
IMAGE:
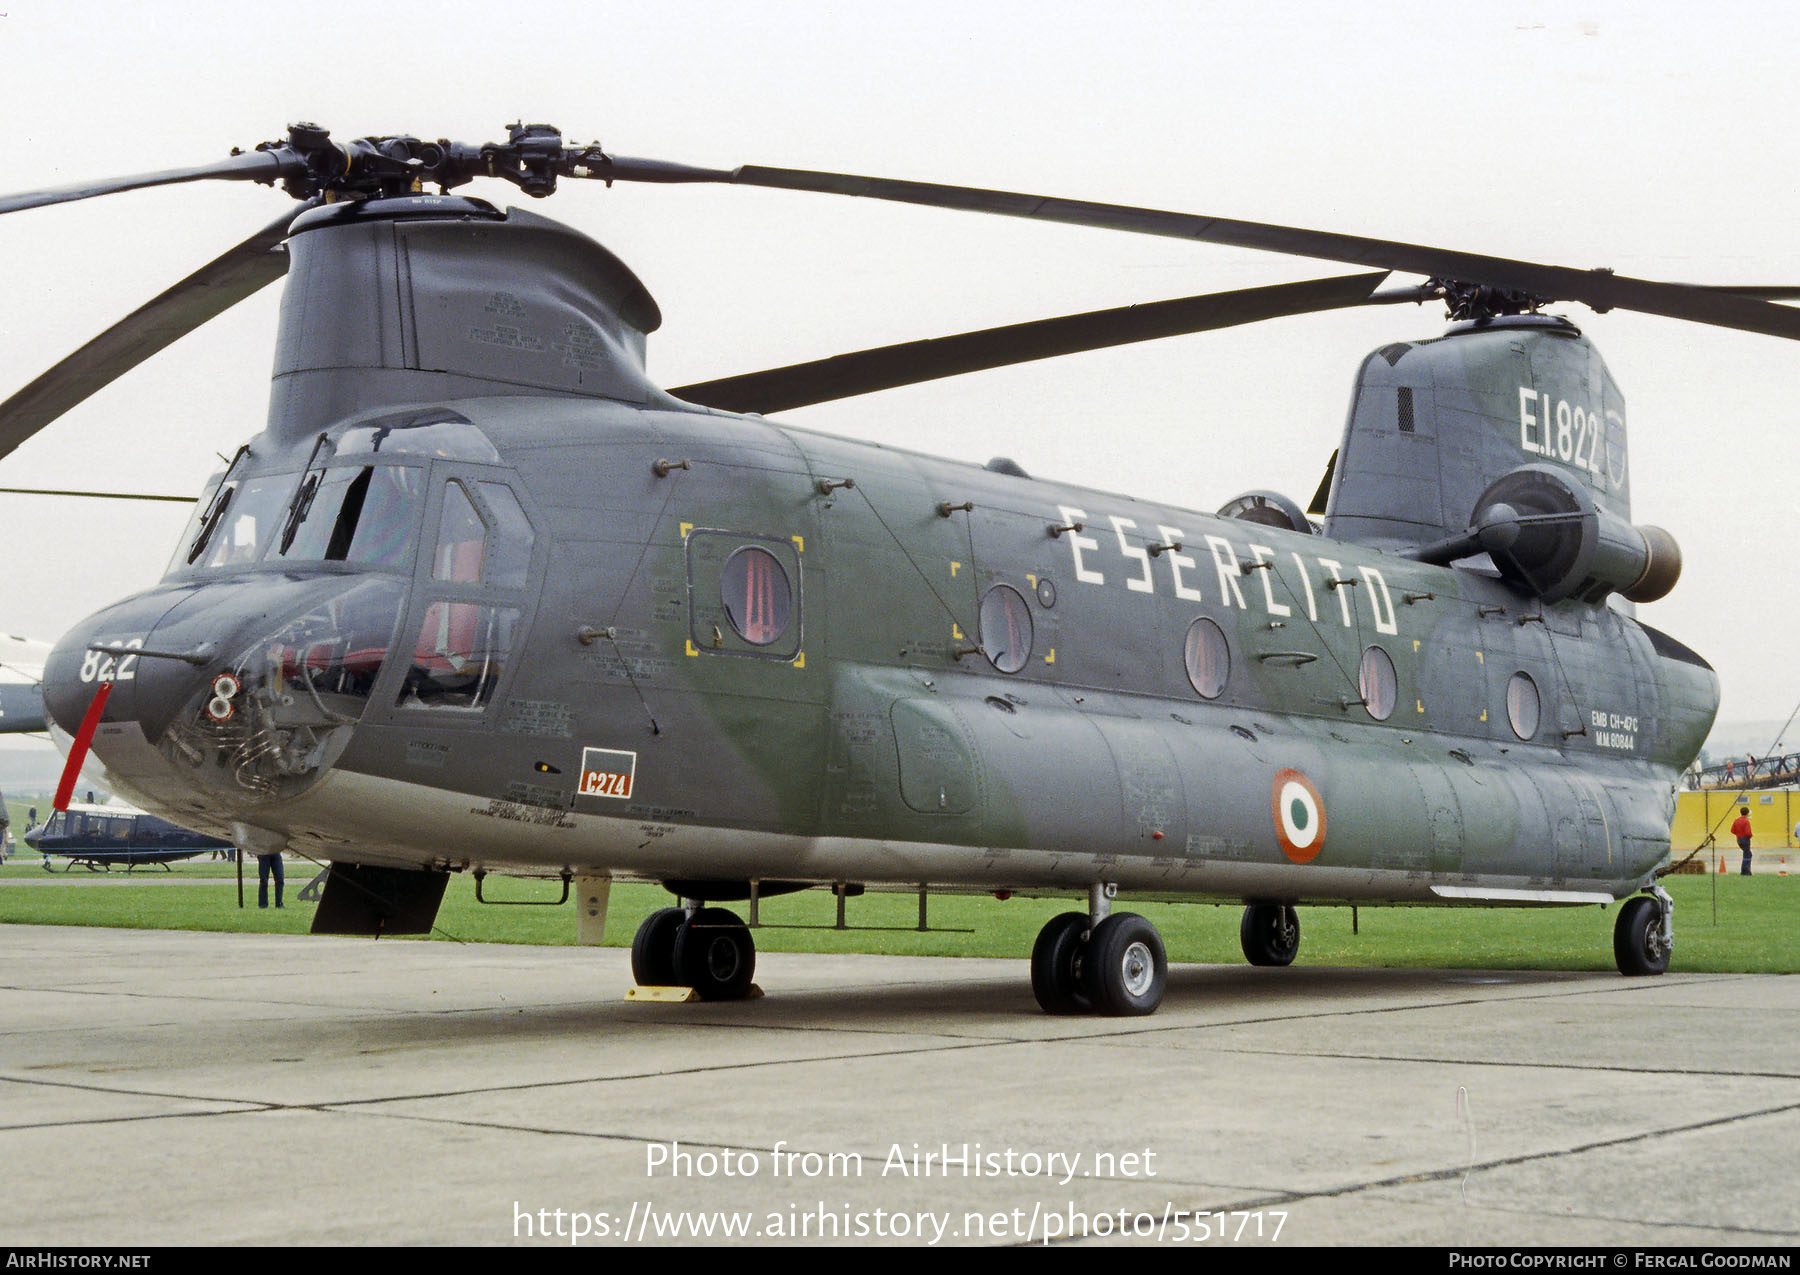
(1644, 934)
(707, 949)
(1099, 963)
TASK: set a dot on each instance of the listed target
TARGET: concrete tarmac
(171, 1088)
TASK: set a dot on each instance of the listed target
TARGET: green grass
(1753, 931)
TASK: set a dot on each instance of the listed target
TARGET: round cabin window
(1006, 631)
(1377, 683)
(1208, 658)
(1523, 707)
(758, 599)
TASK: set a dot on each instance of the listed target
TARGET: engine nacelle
(1547, 535)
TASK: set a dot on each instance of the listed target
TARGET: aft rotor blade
(262, 166)
(865, 371)
(205, 294)
(1599, 289)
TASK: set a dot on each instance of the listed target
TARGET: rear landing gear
(708, 949)
(1056, 965)
(1125, 968)
(1644, 934)
(1099, 963)
(1270, 934)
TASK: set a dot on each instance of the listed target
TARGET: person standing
(1740, 828)
(270, 864)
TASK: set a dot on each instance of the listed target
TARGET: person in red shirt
(1740, 828)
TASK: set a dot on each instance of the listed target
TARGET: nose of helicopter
(230, 694)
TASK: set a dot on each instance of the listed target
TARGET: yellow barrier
(1773, 813)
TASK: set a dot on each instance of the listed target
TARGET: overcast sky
(1654, 138)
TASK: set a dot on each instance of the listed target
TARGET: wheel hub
(1139, 969)
(722, 959)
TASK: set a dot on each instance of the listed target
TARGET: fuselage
(544, 634)
(482, 596)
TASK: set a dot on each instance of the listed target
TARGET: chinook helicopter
(482, 597)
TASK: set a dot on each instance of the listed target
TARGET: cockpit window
(439, 434)
(509, 554)
(461, 651)
(462, 537)
(191, 533)
(239, 521)
(365, 514)
(353, 513)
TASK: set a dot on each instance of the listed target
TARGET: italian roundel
(1299, 816)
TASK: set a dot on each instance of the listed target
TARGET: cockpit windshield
(365, 514)
(352, 513)
(237, 524)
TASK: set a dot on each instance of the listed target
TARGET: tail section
(1435, 423)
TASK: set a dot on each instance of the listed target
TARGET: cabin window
(1006, 629)
(757, 596)
(1208, 658)
(1523, 707)
(1377, 684)
(744, 594)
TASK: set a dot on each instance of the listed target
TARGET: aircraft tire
(715, 955)
(1125, 968)
(653, 949)
(1638, 943)
(1056, 960)
(1270, 934)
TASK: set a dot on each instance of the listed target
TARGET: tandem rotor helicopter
(481, 597)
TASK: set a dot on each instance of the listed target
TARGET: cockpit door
(475, 588)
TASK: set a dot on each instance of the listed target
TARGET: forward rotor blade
(865, 371)
(262, 166)
(96, 495)
(205, 294)
(1777, 292)
(1599, 289)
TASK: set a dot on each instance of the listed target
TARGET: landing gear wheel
(1056, 961)
(1124, 968)
(653, 950)
(715, 955)
(1270, 934)
(1639, 944)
